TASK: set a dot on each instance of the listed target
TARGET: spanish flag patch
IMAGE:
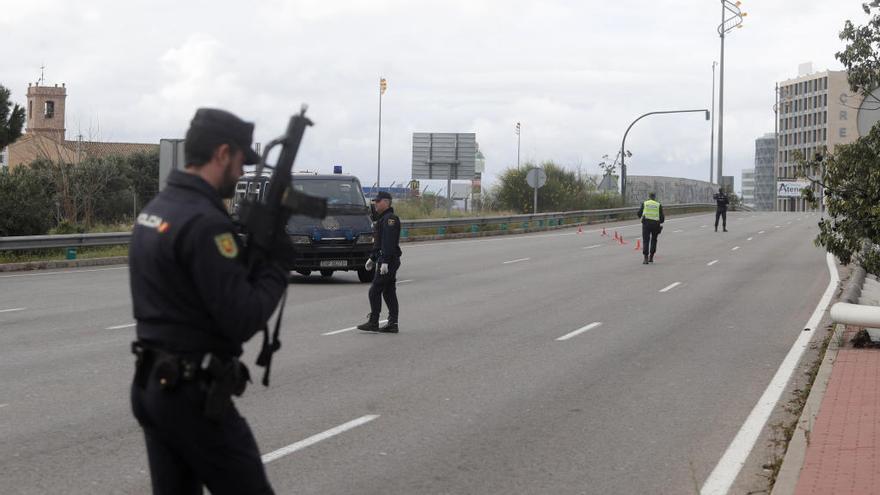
(226, 245)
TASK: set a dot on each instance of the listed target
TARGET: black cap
(212, 121)
(382, 195)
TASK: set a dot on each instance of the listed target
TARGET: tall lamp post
(518, 129)
(383, 85)
(623, 153)
(712, 139)
(731, 18)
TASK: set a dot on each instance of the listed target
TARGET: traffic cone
(616, 236)
(580, 230)
(621, 241)
(638, 245)
(604, 234)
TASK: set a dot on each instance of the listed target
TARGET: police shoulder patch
(392, 221)
(226, 245)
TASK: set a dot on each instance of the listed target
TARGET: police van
(340, 242)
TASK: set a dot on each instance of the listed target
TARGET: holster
(224, 378)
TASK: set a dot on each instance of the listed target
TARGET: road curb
(786, 480)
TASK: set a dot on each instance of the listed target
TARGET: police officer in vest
(651, 213)
(721, 202)
(196, 302)
(385, 258)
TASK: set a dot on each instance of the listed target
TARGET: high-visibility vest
(651, 210)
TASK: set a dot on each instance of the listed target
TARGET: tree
(565, 190)
(25, 203)
(11, 119)
(849, 175)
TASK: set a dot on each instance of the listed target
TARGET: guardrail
(475, 224)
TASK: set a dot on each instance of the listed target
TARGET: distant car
(341, 241)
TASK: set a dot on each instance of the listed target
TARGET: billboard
(444, 155)
(790, 189)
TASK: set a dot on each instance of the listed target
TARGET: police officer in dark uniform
(721, 202)
(385, 258)
(651, 213)
(196, 302)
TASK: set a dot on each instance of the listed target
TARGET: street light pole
(383, 84)
(723, 28)
(623, 145)
(517, 144)
(712, 139)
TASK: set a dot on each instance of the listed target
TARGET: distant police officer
(385, 258)
(721, 202)
(651, 213)
(196, 302)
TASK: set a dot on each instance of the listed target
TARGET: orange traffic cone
(638, 245)
(616, 236)
(580, 230)
(621, 241)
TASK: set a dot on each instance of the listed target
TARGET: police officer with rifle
(199, 292)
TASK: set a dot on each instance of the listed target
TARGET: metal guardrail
(544, 220)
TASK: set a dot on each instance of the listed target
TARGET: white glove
(383, 269)
(369, 265)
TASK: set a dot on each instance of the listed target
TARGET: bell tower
(45, 110)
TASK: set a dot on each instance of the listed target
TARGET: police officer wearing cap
(385, 258)
(651, 213)
(721, 202)
(196, 301)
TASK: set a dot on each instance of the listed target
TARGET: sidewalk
(836, 447)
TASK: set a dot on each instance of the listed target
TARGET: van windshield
(337, 192)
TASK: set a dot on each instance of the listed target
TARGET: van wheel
(364, 275)
(304, 273)
(326, 273)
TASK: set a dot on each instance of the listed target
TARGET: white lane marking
(11, 310)
(516, 261)
(404, 281)
(593, 246)
(271, 456)
(670, 287)
(735, 248)
(676, 231)
(750, 238)
(64, 272)
(580, 330)
(761, 232)
(703, 226)
(3, 405)
(334, 332)
(711, 262)
(117, 327)
(728, 468)
(777, 227)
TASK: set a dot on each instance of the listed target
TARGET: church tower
(45, 110)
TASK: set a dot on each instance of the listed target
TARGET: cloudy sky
(574, 73)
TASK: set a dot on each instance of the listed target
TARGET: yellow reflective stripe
(651, 210)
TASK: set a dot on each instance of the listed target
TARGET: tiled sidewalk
(843, 454)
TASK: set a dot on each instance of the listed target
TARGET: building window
(825, 134)
(31, 108)
(814, 135)
(825, 100)
(49, 109)
(843, 132)
(843, 115)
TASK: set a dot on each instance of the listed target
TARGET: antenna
(42, 74)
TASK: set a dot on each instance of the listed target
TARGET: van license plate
(334, 263)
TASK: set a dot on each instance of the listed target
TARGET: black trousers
(187, 450)
(723, 214)
(650, 231)
(385, 286)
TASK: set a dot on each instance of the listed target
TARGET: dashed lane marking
(332, 432)
(334, 332)
(580, 330)
(670, 287)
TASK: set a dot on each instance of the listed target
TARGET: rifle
(265, 220)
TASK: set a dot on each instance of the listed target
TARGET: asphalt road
(543, 363)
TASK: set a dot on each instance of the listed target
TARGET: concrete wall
(670, 190)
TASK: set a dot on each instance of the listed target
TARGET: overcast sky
(574, 73)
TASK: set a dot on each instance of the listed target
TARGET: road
(542, 363)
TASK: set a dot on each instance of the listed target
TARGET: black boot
(651, 258)
(645, 262)
(372, 325)
(390, 327)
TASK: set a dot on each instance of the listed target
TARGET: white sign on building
(790, 189)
